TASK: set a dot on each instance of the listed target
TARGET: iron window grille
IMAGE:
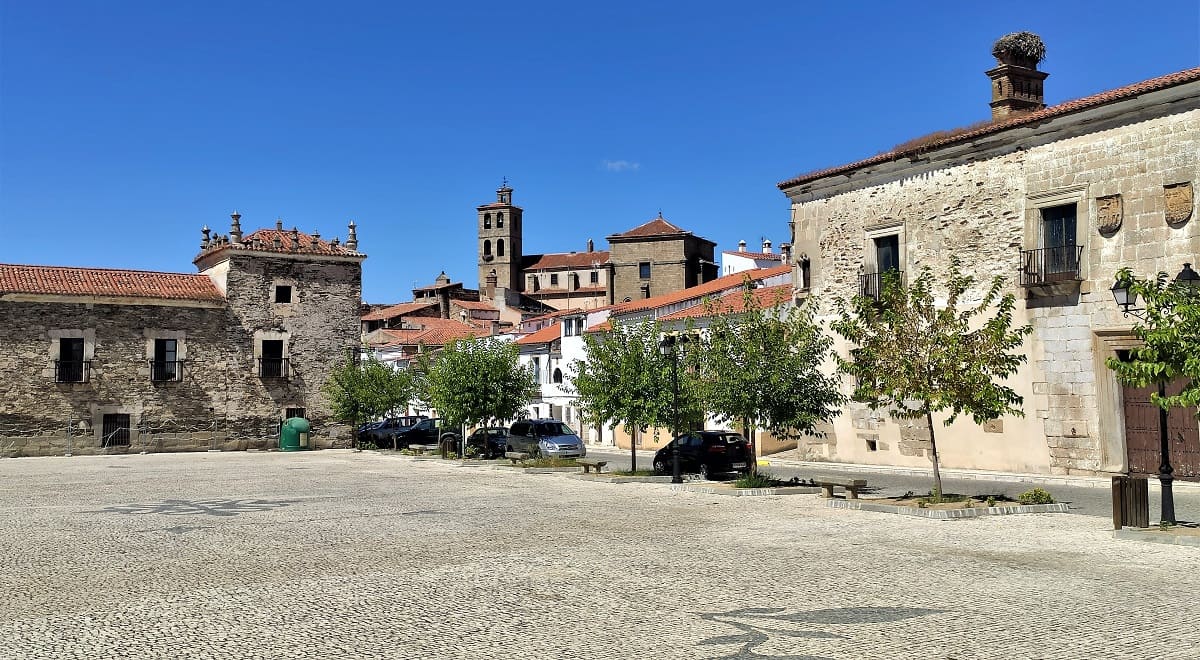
(166, 370)
(871, 285)
(273, 368)
(1050, 265)
(72, 371)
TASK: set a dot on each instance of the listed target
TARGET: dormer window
(283, 293)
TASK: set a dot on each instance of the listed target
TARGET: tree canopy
(915, 357)
(472, 382)
(361, 391)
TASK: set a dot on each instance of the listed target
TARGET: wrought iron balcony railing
(166, 370)
(871, 285)
(1050, 265)
(275, 368)
(72, 371)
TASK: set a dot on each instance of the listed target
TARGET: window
(70, 367)
(289, 413)
(165, 364)
(272, 364)
(115, 430)
(487, 220)
(573, 278)
(499, 221)
(887, 253)
(557, 376)
(1058, 240)
(572, 327)
(595, 277)
(885, 256)
(487, 248)
(537, 370)
(500, 247)
(283, 293)
(644, 270)
(554, 279)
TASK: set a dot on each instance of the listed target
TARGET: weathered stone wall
(675, 265)
(984, 211)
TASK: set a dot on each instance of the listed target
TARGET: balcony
(871, 285)
(273, 368)
(1048, 266)
(72, 371)
(162, 371)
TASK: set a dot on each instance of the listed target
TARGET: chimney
(352, 239)
(278, 224)
(489, 287)
(786, 250)
(316, 239)
(591, 246)
(295, 239)
(741, 246)
(204, 241)
(766, 246)
(235, 227)
(1016, 82)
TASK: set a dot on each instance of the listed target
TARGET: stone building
(1055, 199)
(100, 360)
(656, 257)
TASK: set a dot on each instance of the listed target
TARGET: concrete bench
(425, 449)
(516, 456)
(852, 486)
(588, 463)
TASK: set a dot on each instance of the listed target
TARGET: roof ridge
(106, 269)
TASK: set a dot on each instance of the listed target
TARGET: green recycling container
(293, 434)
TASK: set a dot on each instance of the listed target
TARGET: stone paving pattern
(335, 554)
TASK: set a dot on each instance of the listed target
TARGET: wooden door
(1143, 440)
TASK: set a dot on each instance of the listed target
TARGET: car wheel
(660, 467)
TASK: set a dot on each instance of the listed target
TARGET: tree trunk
(633, 450)
(937, 474)
(748, 434)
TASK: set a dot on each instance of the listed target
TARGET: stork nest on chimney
(1020, 44)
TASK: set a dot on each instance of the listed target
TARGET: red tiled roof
(731, 303)
(543, 336)
(600, 327)
(263, 240)
(565, 260)
(474, 304)
(655, 227)
(1110, 96)
(71, 281)
(759, 256)
(396, 310)
(437, 334)
(708, 288)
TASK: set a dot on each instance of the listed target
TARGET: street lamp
(1126, 300)
(668, 349)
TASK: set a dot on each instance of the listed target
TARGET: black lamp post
(1127, 300)
(668, 348)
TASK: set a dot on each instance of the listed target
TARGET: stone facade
(984, 199)
(222, 397)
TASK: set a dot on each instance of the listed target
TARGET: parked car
(545, 437)
(706, 452)
(490, 441)
(382, 434)
(430, 431)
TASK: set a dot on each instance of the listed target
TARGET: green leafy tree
(1170, 334)
(362, 391)
(625, 379)
(916, 357)
(472, 382)
(761, 367)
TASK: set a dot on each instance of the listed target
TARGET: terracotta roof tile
(655, 227)
(434, 334)
(396, 310)
(474, 304)
(758, 256)
(543, 336)
(1110, 96)
(730, 303)
(565, 260)
(706, 289)
(71, 281)
(263, 240)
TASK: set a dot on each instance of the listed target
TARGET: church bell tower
(500, 240)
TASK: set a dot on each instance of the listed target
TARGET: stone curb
(622, 480)
(746, 492)
(1156, 537)
(948, 514)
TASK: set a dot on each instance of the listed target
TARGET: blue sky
(126, 126)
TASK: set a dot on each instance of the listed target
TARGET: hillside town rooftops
(735, 302)
(699, 291)
(106, 282)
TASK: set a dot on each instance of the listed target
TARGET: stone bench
(588, 463)
(852, 486)
(425, 449)
(516, 456)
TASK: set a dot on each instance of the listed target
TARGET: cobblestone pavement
(340, 555)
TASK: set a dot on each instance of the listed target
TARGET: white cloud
(621, 166)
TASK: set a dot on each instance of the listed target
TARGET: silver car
(545, 437)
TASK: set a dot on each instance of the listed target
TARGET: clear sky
(126, 126)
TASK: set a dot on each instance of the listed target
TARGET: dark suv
(706, 452)
(427, 432)
(382, 434)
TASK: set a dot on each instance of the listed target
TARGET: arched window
(499, 220)
(487, 247)
(487, 220)
(558, 376)
(500, 247)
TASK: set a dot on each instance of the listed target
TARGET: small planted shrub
(759, 480)
(545, 462)
(991, 500)
(367, 446)
(1035, 496)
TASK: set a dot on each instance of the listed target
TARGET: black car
(706, 452)
(489, 441)
(427, 432)
(382, 434)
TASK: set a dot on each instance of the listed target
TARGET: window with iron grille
(70, 367)
(115, 430)
(165, 366)
(272, 364)
(289, 413)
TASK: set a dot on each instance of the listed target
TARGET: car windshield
(552, 429)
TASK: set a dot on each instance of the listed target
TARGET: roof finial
(278, 224)
(660, 212)
(235, 227)
(352, 239)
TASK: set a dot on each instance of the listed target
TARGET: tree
(471, 382)
(762, 367)
(1170, 332)
(361, 391)
(916, 357)
(625, 379)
